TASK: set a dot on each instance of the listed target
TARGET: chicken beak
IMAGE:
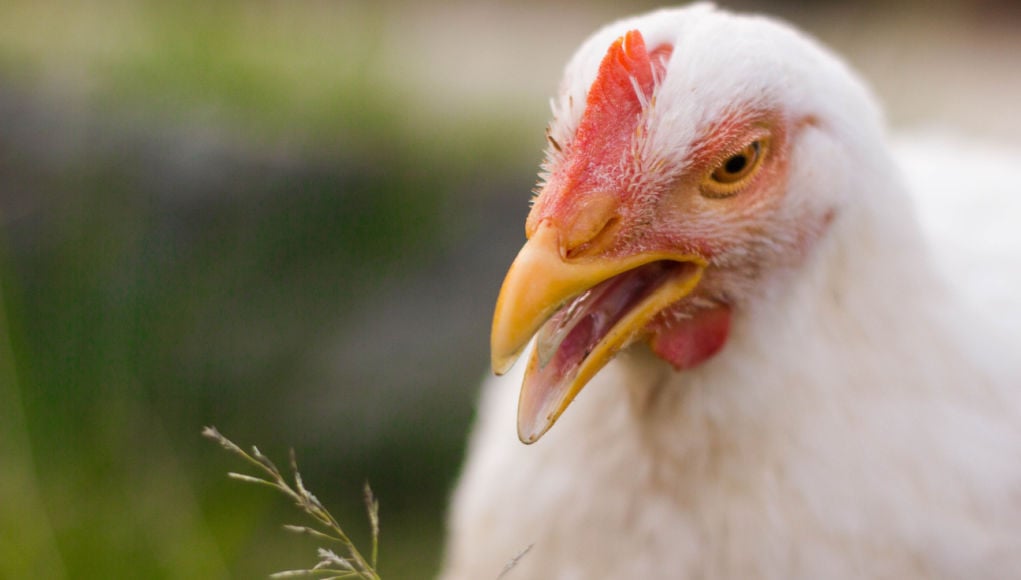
(538, 284)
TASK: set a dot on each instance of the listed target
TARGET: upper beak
(538, 284)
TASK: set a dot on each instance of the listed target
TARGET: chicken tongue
(553, 333)
(585, 334)
(598, 308)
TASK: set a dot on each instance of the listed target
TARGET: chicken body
(863, 419)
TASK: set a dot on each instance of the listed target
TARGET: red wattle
(690, 342)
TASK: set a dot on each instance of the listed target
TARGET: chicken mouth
(574, 330)
(585, 334)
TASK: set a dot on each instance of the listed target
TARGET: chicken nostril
(589, 225)
(602, 240)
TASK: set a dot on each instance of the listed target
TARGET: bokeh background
(290, 220)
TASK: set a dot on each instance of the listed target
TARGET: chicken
(761, 362)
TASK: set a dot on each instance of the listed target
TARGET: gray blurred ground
(290, 220)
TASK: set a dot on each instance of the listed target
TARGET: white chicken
(787, 373)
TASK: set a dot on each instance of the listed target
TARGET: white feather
(864, 419)
(969, 197)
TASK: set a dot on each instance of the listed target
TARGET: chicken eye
(735, 170)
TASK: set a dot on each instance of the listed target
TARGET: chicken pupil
(736, 163)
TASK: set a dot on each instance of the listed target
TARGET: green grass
(141, 304)
(128, 336)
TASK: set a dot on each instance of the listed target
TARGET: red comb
(613, 107)
(612, 97)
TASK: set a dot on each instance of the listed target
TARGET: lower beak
(538, 285)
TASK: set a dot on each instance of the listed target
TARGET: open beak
(584, 310)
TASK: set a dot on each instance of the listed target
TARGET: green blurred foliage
(201, 201)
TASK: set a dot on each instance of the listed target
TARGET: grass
(330, 564)
(217, 197)
(35, 554)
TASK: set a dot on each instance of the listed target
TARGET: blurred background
(290, 220)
